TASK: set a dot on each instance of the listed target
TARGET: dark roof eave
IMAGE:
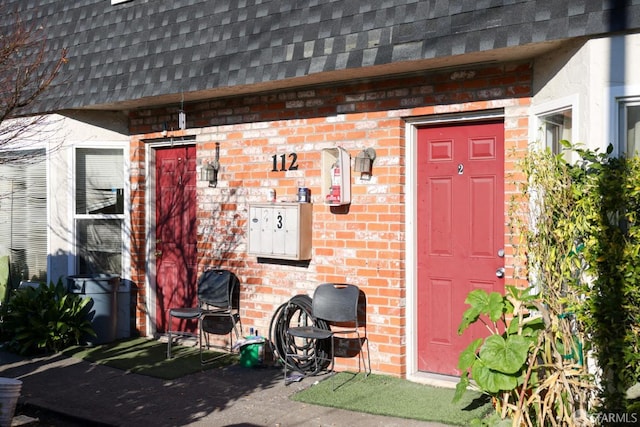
(513, 54)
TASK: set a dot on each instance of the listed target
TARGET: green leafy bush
(584, 252)
(529, 363)
(46, 319)
(611, 311)
(576, 234)
(498, 362)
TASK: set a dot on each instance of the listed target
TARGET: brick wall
(364, 244)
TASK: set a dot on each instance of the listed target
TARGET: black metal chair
(333, 305)
(217, 312)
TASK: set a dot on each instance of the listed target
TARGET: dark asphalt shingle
(148, 47)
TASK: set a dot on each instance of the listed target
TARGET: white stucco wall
(589, 75)
(77, 129)
(59, 134)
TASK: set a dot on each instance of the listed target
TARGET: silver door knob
(500, 273)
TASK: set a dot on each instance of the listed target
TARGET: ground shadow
(109, 396)
(477, 402)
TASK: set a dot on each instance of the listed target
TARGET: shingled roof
(156, 51)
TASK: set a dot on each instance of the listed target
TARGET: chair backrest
(336, 302)
(219, 288)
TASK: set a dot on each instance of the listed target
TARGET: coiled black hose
(298, 355)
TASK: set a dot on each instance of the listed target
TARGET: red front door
(460, 233)
(176, 254)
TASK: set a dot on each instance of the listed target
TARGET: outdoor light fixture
(210, 170)
(364, 162)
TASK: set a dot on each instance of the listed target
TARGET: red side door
(461, 231)
(176, 255)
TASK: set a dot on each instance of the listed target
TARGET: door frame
(151, 145)
(411, 233)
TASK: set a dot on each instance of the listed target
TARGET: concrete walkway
(233, 396)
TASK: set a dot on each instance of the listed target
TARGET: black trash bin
(103, 290)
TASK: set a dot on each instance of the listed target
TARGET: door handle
(500, 273)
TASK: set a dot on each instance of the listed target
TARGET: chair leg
(285, 357)
(333, 355)
(236, 323)
(235, 319)
(366, 339)
(169, 339)
(285, 370)
(366, 365)
(333, 364)
(200, 331)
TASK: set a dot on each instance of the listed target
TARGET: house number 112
(293, 163)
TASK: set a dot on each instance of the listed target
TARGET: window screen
(99, 181)
(99, 210)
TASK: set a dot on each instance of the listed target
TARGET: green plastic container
(251, 355)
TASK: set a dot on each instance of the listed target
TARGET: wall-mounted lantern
(210, 170)
(364, 162)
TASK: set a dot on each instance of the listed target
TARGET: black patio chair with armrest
(217, 312)
(337, 305)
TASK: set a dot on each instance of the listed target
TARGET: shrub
(530, 363)
(578, 227)
(585, 252)
(46, 319)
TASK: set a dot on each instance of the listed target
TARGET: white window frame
(618, 95)
(552, 107)
(124, 217)
(622, 105)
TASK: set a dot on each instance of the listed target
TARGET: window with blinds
(23, 214)
(99, 210)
